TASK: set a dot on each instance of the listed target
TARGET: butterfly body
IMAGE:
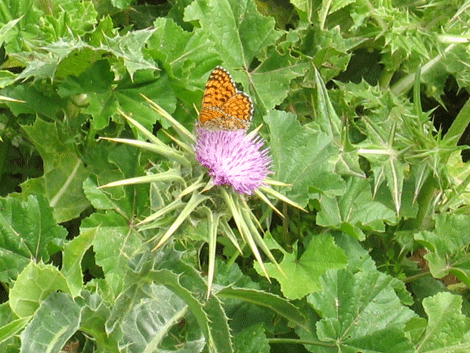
(224, 107)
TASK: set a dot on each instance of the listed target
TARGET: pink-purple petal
(233, 158)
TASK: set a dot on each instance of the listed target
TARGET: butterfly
(224, 107)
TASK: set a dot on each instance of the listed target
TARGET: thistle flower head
(233, 158)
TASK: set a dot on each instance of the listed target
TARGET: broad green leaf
(277, 70)
(460, 173)
(114, 243)
(355, 211)
(185, 56)
(64, 171)
(6, 78)
(104, 98)
(237, 21)
(359, 259)
(99, 93)
(33, 285)
(252, 340)
(145, 305)
(359, 312)
(121, 4)
(301, 158)
(447, 244)
(326, 118)
(385, 159)
(114, 163)
(301, 276)
(94, 313)
(103, 199)
(448, 329)
(153, 85)
(65, 17)
(33, 100)
(329, 7)
(172, 272)
(150, 320)
(301, 5)
(27, 231)
(53, 324)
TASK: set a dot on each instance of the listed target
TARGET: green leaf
(385, 161)
(39, 102)
(238, 49)
(102, 103)
(148, 322)
(185, 56)
(114, 243)
(64, 171)
(252, 340)
(448, 329)
(360, 312)
(356, 211)
(154, 86)
(33, 285)
(277, 304)
(112, 164)
(104, 98)
(278, 69)
(347, 161)
(95, 311)
(10, 324)
(327, 118)
(127, 49)
(301, 276)
(210, 317)
(25, 17)
(238, 21)
(73, 254)
(301, 158)
(170, 271)
(28, 231)
(447, 244)
(6, 78)
(53, 324)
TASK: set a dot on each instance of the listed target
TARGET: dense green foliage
(378, 262)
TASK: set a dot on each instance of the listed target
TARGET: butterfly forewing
(219, 88)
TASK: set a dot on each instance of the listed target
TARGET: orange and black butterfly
(223, 106)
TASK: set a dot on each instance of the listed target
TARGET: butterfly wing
(216, 119)
(210, 116)
(219, 88)
(239, 107)
(223, 107)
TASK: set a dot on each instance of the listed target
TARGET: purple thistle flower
(233, 158)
